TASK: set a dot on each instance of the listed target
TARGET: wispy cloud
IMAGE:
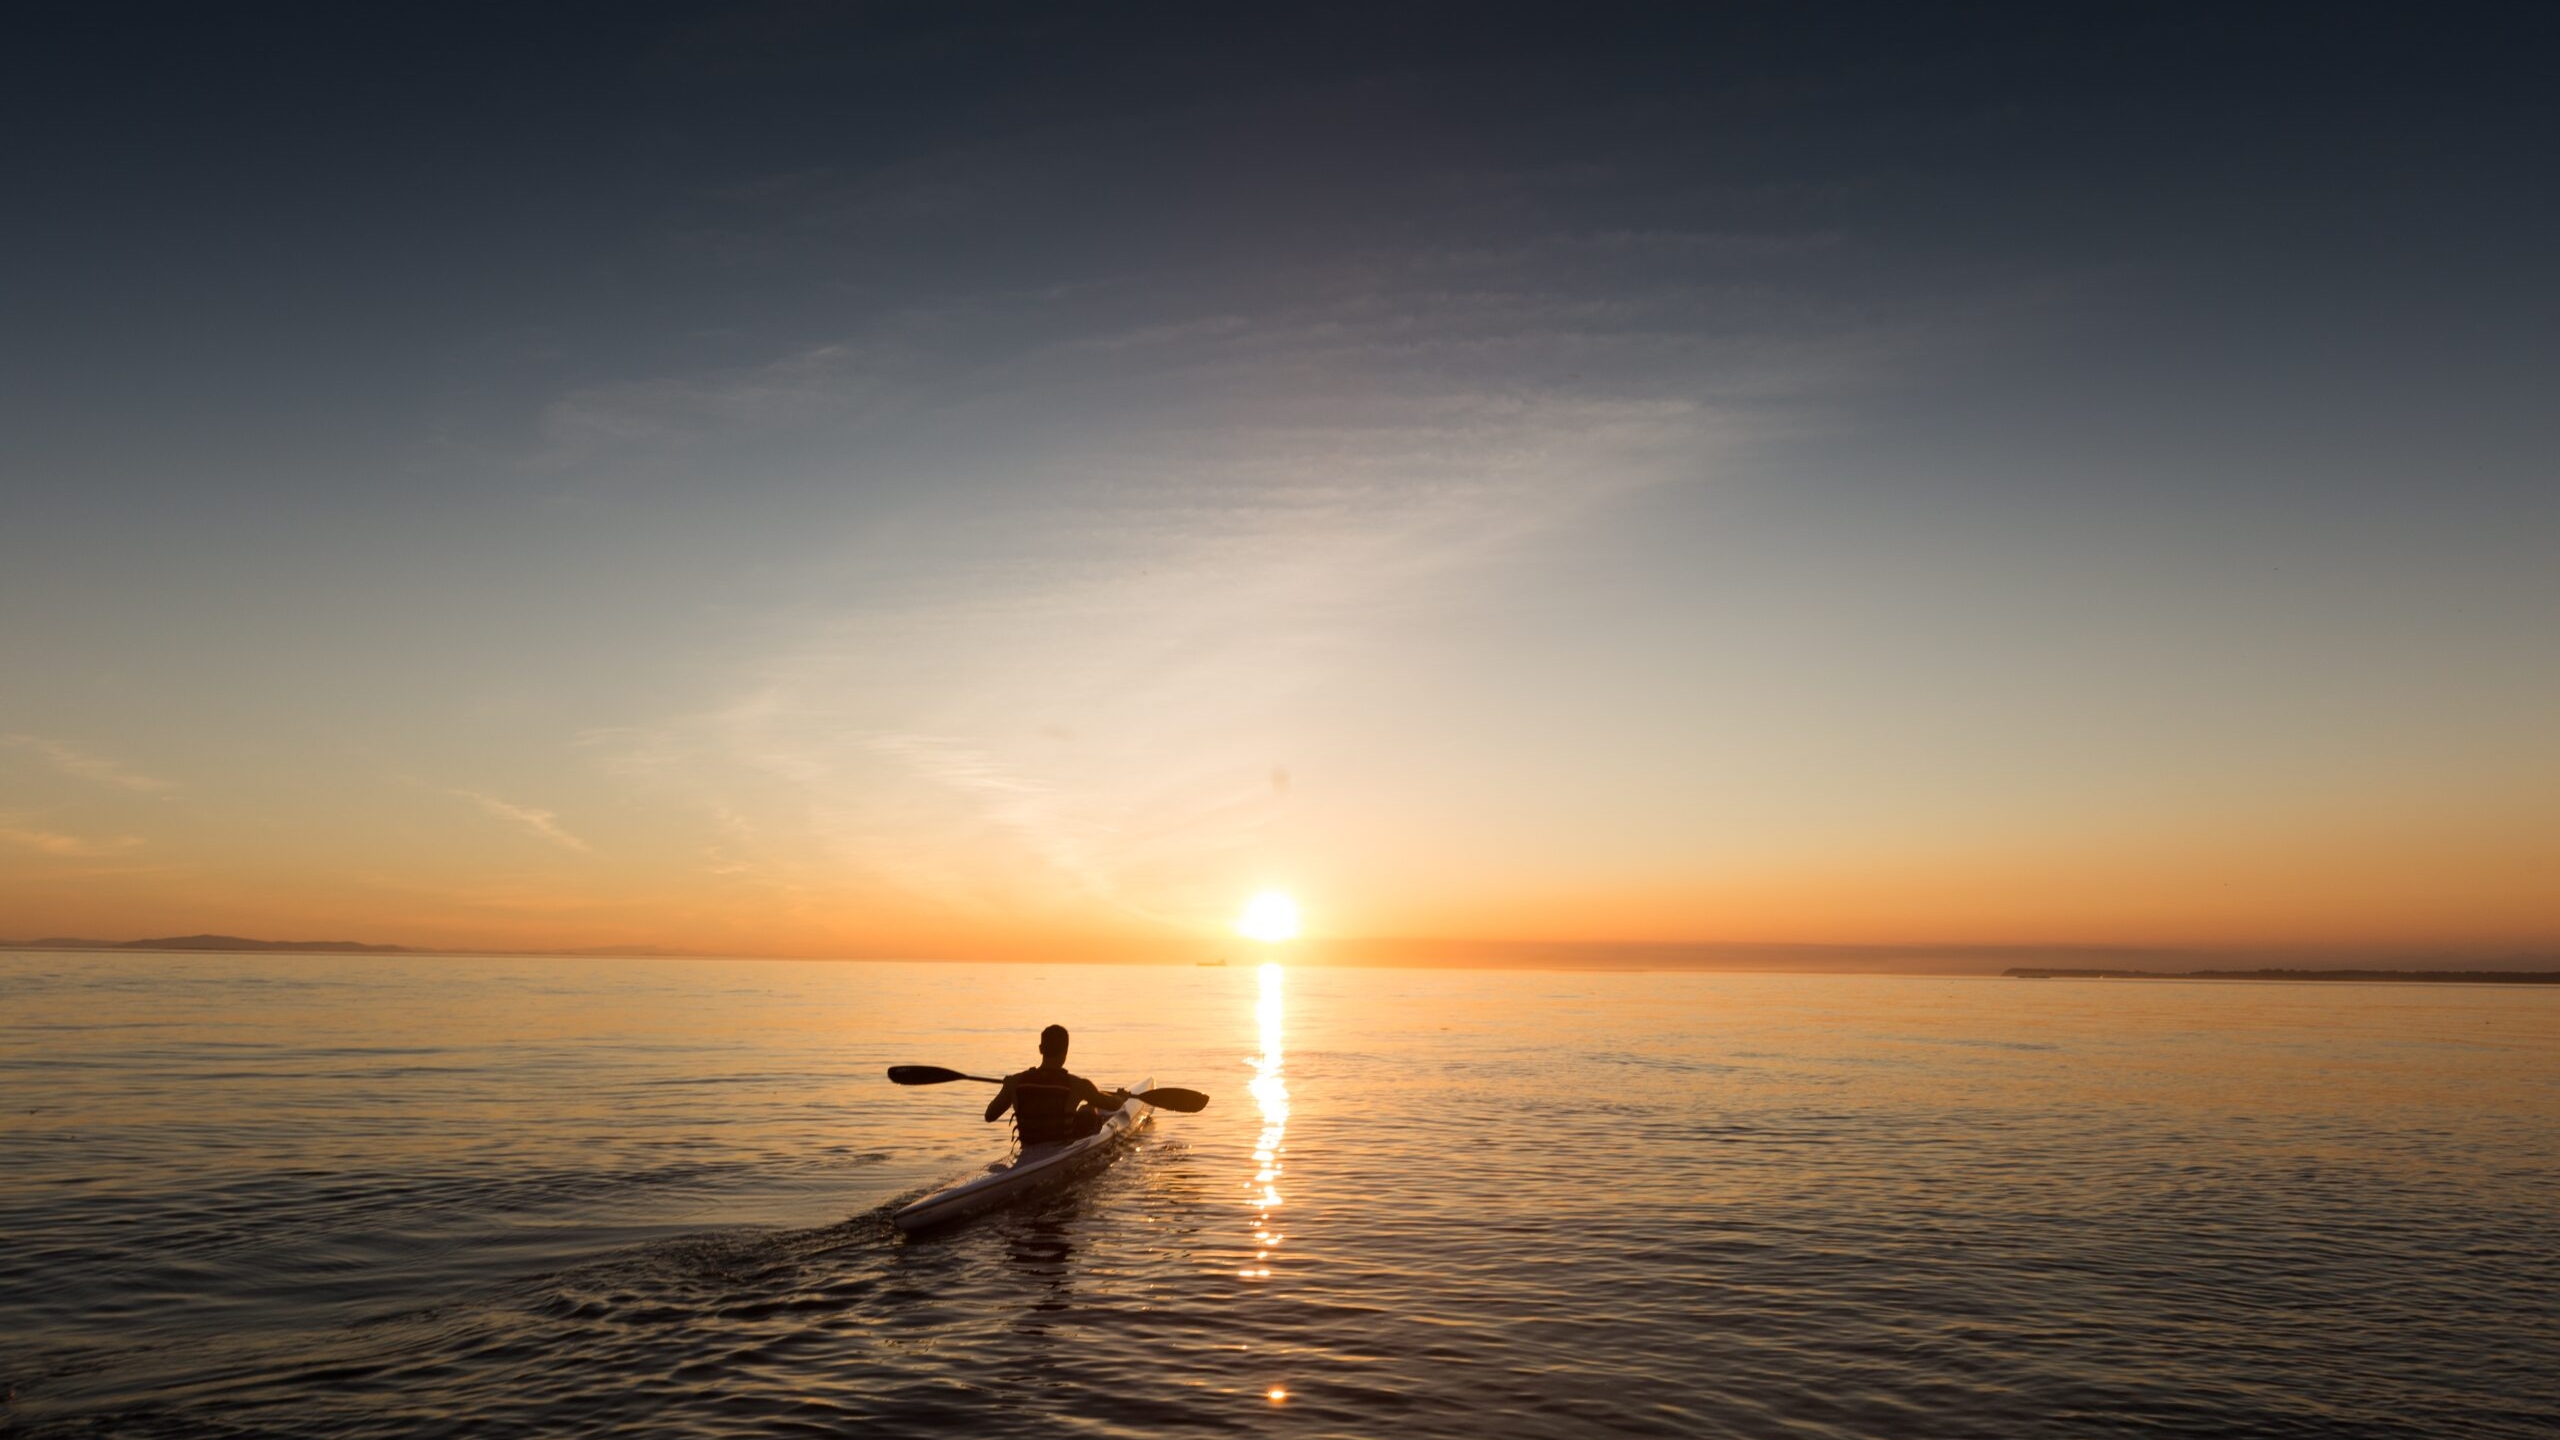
(616, 418)
(52, 843)
(1160, 583)
(1032, 812)
(85, 764)
(1167, 514)
(727, 854)
(543, 824)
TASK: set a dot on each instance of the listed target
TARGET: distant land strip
(1980, 961)
(2430, 977)
(314, 947)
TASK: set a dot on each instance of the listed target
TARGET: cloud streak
(1227, 508)
(542, 824)
(87, 765)
(1032, 812)
(49, 842)
(615, 420)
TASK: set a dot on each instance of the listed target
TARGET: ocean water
(333, 1196)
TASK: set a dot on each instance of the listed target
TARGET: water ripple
(1442, 1204)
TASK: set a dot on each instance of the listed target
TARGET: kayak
(1029, 1170)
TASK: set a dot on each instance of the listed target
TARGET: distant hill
(210, 942)
(235, 942)
(243, 944)
(2028, 961)
(2431, 977)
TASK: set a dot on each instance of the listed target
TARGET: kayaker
(1049, 1103)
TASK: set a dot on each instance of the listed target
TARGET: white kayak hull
(1029, 1170)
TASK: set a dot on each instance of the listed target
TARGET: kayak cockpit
(1029, 1170)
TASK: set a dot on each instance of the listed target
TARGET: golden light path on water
(1270, 1092)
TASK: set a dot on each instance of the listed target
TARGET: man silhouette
(1047, 1102)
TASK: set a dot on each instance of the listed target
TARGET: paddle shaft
(1181, 1101)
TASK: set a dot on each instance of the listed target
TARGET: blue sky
(978, 480)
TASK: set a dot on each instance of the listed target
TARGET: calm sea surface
(288, 1196)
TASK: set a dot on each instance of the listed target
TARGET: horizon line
(1381, 952)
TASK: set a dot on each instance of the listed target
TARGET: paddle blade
(922, 1075)
(1185, 1102)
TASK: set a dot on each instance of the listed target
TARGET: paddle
(1182, 1102)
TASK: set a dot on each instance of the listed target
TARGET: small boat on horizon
(1210, 964)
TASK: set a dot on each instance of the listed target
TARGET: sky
(953, 480)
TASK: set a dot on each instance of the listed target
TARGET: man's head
(1053, 1045)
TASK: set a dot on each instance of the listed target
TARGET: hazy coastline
(1951, 960)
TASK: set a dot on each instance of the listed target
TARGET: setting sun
(1272, 917)
(1908, 659)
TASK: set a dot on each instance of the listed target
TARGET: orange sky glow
(1802, 512)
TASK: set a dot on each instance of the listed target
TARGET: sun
(1271, 918)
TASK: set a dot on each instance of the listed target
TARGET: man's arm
(1002, 1102)
(1101, 1099)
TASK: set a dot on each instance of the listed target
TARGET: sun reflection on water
(1271, 1093)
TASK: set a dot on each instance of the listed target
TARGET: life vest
(1043, 1111)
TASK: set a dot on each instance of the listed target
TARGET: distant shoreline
(242, 945)
(2404, 977)
(1962, 962)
